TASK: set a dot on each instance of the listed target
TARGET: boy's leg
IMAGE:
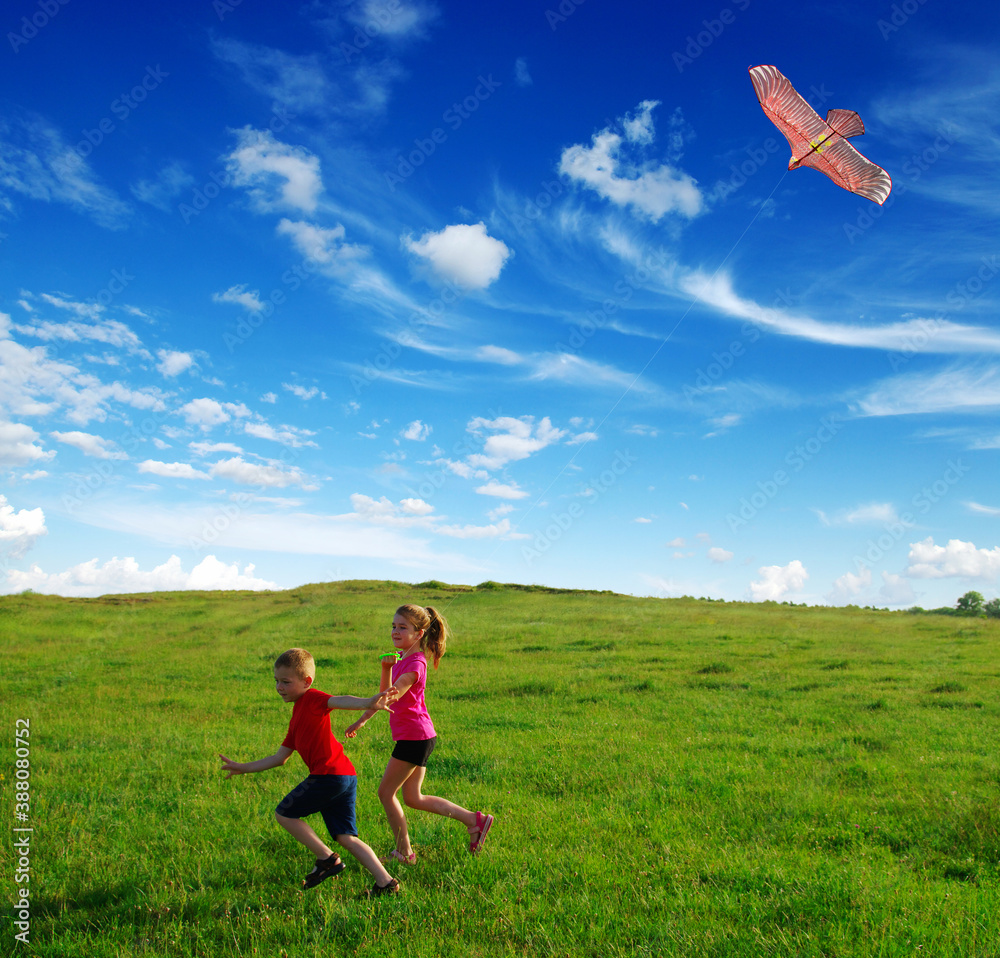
(304, 833)
(396, 773)
(366, 856)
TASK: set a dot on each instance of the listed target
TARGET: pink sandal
(483, 823)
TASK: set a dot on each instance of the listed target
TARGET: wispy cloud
(960, 389)
(36, 162)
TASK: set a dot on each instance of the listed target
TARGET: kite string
(638, 375)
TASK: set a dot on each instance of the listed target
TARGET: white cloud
(250, 474)
(240, 296)
(851, 584)
(322, 246)
(501, 490)
(948, 337)
(983, 510)
(719, 555)
(271, 398)
(505, 508)
(957, 559)
(961, 389)
(170, 182)
(677, 543)
(286, 435)
(417, 431)
(651, 189)
(896, 590)
(775, 581)
(303, 392)
(109, 331)
(19, 530)
(501, 528)
(416, 507)
(124, 575)
(171, 470)
(17, 445)
(882, 513)
(173, 363)
(462, 254)
(498, 354)
(37, 163)
(90, 445)
(513, 439)
(274, 173)
(207, 413)
(642, 520)
(521, 75)
(207, 448)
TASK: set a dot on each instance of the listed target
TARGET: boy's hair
(299, 660)
(435, 628)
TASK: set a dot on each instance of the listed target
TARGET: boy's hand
(234, 768)
(380, 702)
(354, 728)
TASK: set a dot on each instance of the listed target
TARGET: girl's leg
(396, 773)
(366, 856)
(414, 798)
(302, 832)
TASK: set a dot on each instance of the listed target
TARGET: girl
(415, 632)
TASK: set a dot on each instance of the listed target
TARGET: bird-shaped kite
(821, 144)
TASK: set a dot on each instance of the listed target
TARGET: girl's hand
(234, 768)
(354, 728)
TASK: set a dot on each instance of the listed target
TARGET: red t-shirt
(310, 735)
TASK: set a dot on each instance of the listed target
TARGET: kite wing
(820, 144)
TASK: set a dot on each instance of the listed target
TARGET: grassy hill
(669, 777)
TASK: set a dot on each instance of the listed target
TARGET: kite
(821, 144)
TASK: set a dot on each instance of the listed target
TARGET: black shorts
(416, 752)
(333, 796)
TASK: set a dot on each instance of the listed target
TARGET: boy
(331, 787)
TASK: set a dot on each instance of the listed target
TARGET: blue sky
(522, 292)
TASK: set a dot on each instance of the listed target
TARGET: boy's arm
(377, 703)
(261, 765)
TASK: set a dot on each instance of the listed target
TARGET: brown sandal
(324, 868)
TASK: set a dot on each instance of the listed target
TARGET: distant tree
(970, 604)
(992, 608)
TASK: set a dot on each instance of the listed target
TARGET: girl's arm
(383, 684)
(261, 765)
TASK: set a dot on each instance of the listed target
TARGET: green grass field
(669, 777)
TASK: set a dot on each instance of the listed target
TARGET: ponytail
(436, 631)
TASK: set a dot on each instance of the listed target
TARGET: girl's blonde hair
(433, 623)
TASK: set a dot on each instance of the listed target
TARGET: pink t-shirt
(409, 720)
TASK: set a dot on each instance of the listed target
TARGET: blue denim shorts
(333, 796)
